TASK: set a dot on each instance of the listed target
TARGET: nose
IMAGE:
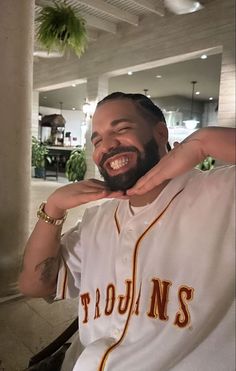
(109, 143)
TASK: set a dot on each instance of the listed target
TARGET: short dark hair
(143, 103)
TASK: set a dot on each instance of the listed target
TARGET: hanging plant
(60, 27)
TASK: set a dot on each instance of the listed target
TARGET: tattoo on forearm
(48, 269)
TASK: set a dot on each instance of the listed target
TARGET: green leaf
(76, 165)
(61, 27)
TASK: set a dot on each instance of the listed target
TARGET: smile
(119, 163)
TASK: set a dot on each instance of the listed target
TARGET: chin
(121, 182)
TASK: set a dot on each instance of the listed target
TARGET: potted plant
(206, 164)
(76, 165)
(39, 151)
(60, 28)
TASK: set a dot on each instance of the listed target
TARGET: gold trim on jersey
(133, 293)
(116, 220)
(62, 291)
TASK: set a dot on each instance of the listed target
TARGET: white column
(35, 114)
(226, 113)
(97, 89)
(16, 66)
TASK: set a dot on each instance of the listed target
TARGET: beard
(146, 160)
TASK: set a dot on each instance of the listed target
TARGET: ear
(160, 133)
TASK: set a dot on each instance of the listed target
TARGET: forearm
(41, 259)
(217, 142)
(42, 253)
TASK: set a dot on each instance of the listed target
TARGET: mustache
(116, 151)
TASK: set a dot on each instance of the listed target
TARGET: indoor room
(180, 55)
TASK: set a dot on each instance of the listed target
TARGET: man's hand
(179, 160)
(75, 194)
(217, 142)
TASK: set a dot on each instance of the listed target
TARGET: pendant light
(191, 123)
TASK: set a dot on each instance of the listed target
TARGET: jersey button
(125, 259)
(117, 332)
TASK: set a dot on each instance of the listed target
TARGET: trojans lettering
(157, 308)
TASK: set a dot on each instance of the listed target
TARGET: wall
(74, 119)
(210, 114)
(183, 105)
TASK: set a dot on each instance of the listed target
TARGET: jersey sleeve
(68, 281)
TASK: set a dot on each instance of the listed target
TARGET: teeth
(117, 164)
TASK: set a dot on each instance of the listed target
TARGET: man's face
(124, 144)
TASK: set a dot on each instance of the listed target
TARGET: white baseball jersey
(156, 287)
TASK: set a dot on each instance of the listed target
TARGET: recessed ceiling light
(203, 56)
(158, 76)
(149, 96)
(73, 108)
(130, 73)
(74, 85)
(211, 98)
(197, 92)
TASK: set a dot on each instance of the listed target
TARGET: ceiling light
(211, 98)
(73, 108)
(158, 76)
(130, 73)
(86, 107)
(203, 56)
(74, 85)
(183, 6)
(197, 93)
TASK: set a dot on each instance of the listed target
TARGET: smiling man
(124, 148)
(153, 267)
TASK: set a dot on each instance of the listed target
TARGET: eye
(123, 129)
(96, 142)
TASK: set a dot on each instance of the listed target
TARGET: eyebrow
(113, 124)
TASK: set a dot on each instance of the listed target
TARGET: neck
(149, 197)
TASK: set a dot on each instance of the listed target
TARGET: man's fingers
(149, 181)
(119, 195)
(176, 144)
(143, 187)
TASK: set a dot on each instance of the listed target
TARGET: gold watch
(48, 219)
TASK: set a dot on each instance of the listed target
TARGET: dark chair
(51, 165)
(51, 357)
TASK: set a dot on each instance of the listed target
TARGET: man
(153, 267)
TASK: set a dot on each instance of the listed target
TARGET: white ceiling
(103, 16)
(176, 80)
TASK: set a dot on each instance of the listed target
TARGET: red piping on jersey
(64, 281)
(104, 358)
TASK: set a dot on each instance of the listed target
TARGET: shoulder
(221, 174)
(94, 215)
(211, 184)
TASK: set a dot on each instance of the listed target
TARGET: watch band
(48, 219)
